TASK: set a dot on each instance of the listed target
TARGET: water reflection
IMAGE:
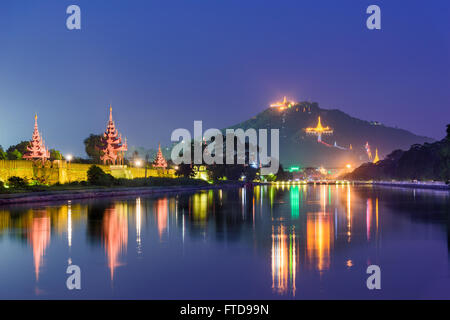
(115, 234)
(319, 240)
(294, 231)
(161, 216)
(39, 237)
(284, 260)
(138, 226)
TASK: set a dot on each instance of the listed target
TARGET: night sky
(163, 64)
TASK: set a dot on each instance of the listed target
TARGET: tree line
(428, 161)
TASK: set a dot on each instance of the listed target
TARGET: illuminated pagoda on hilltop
(36, 150)
(283, 105)
(319, 130)
(160, 162)
(376, 159)
(112, 148)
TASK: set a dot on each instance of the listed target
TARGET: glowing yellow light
(376, 159)
(284, 260)
(319, 129)
(283, 104)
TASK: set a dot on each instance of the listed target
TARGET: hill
(430, 161)
(297, 148)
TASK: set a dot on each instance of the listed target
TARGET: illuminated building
(160, 162)
(112, 147)
(200, 172)
(319, 130)
(283, 105)
(376, 159)
(36, 150)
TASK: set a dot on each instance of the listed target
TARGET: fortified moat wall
(63, 172)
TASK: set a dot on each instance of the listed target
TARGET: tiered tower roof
(112, 147)
(36, 150)
(160, 162)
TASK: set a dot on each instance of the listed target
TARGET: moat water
(300, 242)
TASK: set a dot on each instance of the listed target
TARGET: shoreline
(400, 184)
(65, 195)
(413, 185)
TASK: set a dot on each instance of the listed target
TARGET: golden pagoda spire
(376, 159)
(319, 125)
(319, 130)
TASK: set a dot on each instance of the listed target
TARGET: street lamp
(138, 163)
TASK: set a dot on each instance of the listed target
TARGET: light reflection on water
(265, 242)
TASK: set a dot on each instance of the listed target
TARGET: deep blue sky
(163, 64)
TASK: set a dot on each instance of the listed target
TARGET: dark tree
(14, 155)
(3, 155)
(283, 175)
(21, 147)
(55, 155)
(185, 170)
(96, 176)
(92, 146)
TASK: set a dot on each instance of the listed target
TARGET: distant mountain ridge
(297, 148)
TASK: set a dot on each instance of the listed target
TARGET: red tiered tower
(112, 147)
(160, 162)
(36, 148)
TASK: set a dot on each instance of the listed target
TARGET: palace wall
(63, 172)
(18, 168)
